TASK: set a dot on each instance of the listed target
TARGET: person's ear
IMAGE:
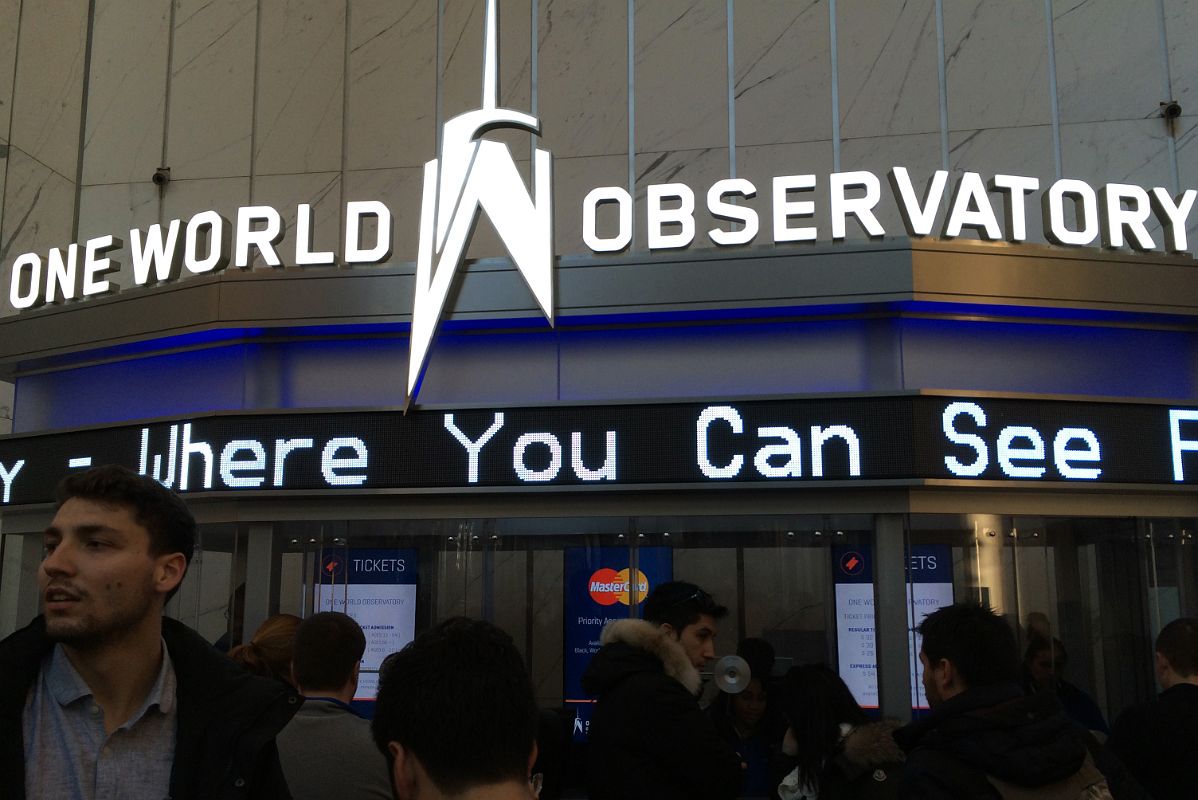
(668, 628)
(1163, 668)
(168, 572)
(403, 774)
(532, 756)
(944, 673)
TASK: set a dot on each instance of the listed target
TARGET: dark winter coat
(1158, 741)
(648, 738)
(226, 724)
(994, 738)
(868, 765)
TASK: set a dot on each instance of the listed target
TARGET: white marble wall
(288, 101)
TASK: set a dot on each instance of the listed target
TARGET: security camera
(161, 176)
(1171, 109)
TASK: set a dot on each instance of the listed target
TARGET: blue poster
(599, 588)
(929, 586)
(377, 587)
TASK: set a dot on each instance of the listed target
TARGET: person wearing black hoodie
(648, 738)
(985, 738)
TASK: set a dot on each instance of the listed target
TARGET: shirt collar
(67, 686)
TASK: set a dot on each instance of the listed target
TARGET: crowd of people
(101, 696)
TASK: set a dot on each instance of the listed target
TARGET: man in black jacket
(648, 737)
(102, 696)
(984, 738)
(1159, 740)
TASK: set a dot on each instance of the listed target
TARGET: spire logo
(474, 174)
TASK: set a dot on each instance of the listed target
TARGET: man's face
(698, 640)
(98, 579)
(1043, 668)
(930, 689)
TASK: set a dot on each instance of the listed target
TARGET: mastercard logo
(608, 587)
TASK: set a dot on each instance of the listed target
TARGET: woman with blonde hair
(269, 652)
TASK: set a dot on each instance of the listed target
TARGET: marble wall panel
(888, 78)
(301, 77)
(116, 209)
(210, 126)
(321, 190)
(182, 199)
(1108, 59)
(573, 178)
(783, 84)
(681, 79)
(39, 213)
(400, 191)
(1181, 27)
(697, 169)
(391, 103)
(983, 41)
(1007, 151)
(761, 164)
(582, 83)
(919, 153)
(126, 91)
(10, 16)
(1187, 162)
(48, 94)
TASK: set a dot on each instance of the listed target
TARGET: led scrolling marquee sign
(894, 440)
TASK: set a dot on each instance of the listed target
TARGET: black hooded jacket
(648, 739)
(227, 718)
(995, 732)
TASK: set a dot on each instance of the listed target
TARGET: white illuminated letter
(785, 208)
(473, 448)
(190, 448)
(555, 457)
(820, 436)
(721, 210)
(355, 210)
(97, 264)
(918, 218)
(229, 464)
(1062, 454)
(1086, 203)
(791, 448)
(970, 208)
(1008, 454)
(207, 230)
(304, 255)
(860, 207)
(62, 274)
(590, 223)
(1180, 445)
(1014, 188)
(283, 448)
(7, 476)
(264, 239)
(982, 456)
(329, 463)
(32, 297)
(171, 451)
(164, 256)
(1115, 217)
(605, 473)
(659, 217)
(1172, 214)
(711, 414)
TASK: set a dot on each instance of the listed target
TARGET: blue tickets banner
(929, 587)
(377, 587)
(600, 587)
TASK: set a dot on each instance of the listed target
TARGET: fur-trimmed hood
(633, 645)
(872, 745)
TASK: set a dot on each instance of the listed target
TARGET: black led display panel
(799, 442)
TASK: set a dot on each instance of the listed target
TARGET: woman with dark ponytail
(840, 753)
